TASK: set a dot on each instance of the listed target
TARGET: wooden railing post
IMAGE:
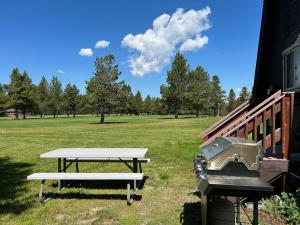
(273, 129)
(246, 131)
(264, 130)
(255, 129)
(286, 124)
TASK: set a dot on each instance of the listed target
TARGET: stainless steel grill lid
(227, 149)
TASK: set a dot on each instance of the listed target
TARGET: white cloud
(61, 71)
(86, 52)
(102, 44)
(154, 48)
(193, 44)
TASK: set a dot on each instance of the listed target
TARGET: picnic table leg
(63, 183)
(134, 187)
(77, 167)
(135, 165)
(129, 198)
(59, 170)
(135, 169)
(140, 167)
(64, 165)
(41, 193)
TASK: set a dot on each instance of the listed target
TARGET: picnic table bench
(88, 176)
(71, 155)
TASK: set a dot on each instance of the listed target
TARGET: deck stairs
(266, 121)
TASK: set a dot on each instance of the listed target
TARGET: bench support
(129, 198)
(59, 170)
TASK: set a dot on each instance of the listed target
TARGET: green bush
(287, 207)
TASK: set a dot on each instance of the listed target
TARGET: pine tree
(42, 96)
(217, 95)
(173, 94)
(124, 95)
(103, 85)
(231, 101)
(244, 95)
(84, 106)
(71, 98)
(148, 105)
(137, 103)
(55, 96)
(3, 98)
(20, 92)
(198, 89)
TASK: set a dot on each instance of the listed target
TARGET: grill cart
(229, 166)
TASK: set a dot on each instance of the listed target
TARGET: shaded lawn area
(166, 198)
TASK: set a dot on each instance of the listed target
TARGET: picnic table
(125, 155)
(71, 155)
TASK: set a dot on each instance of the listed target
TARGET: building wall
(279, 29)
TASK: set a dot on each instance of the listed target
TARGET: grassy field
(167, 196)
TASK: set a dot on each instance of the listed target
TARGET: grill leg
(255, 211)
(238, 211)
(203, 209)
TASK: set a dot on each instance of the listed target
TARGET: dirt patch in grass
(265, 218)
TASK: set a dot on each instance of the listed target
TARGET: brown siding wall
(280, 28)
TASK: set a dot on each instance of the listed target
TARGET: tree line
(194, 89)
(187, 91)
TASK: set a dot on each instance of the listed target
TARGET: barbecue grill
(229, 166)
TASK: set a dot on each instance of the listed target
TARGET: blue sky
(43, 37)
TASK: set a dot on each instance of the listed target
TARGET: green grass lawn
(167, 196)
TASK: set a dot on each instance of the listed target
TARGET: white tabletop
(96, 153)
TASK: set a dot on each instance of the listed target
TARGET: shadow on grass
(92, 196)
(109, 122)
(114, 185)
(105, 184)
(44, 118)
(191, 214)
(12, 185)
(179, 117)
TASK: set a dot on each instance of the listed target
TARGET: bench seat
(85, 176)
(88, 176)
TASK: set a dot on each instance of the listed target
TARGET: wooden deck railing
(269, 122)
(225, 121)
